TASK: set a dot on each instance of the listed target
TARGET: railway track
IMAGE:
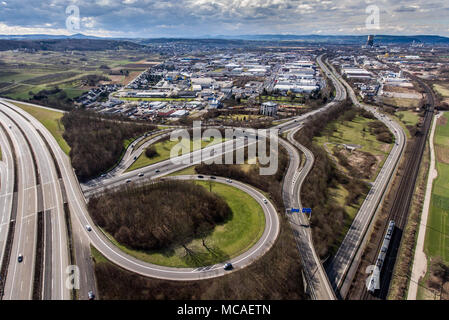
(402, 200)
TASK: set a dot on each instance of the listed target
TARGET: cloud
(152, 18)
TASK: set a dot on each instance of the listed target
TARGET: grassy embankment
(232, 238)
(163, 150)
(51, 120)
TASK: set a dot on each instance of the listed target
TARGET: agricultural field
(443, 90)
(437, 235)
(402, 102)
(66, 70)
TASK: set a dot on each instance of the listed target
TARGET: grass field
(51, 120)
(190, 171)
(409, 118)
(352, 133)
(44, 70)
(442, 89)
(163, 149)
(437, 235)
(402, 102)
(228, 240)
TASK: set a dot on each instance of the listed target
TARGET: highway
(80, 218)
(317, 280)
(6, 190)
(39, 193)
(73, 195)
(342, 267)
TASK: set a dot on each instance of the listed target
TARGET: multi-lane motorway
(44, 171)
(38, 194)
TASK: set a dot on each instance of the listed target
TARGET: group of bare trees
(97, 142)
(159, 216)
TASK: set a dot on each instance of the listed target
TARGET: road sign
(306, 210)
(295, 210)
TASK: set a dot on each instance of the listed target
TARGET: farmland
(437, 240)
(23, 75)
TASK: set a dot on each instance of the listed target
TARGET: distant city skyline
(200, 18)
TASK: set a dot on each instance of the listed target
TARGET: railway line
(402, 200)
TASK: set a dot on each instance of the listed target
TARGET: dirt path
(420, 260)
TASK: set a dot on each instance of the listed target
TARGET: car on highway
(228, 180)
(213, 178)
(265, 201)
(200, 177)
(157, 171)
(228, 266)
(20, 258)
(135, 158)
(103, 175)
(141, 174)
(88, 228)
(128, 181)
(91, 295)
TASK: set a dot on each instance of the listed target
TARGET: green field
(23, 73)
(409, 118)
(163, 149)
(352, 133)
(228, 240)
(51, 120)
(442, 89)
(437, 235)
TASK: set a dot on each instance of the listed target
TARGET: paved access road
(317, 280)
(342, 268)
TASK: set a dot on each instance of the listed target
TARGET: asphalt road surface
(39, 191)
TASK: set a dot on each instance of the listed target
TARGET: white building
(269, 109)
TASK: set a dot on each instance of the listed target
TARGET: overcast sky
(196, 18)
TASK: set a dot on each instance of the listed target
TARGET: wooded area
(158, 216)
(97, 142)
